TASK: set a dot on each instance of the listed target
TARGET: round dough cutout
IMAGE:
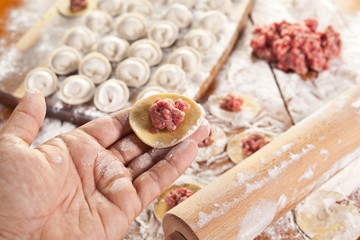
(141, 124)
(42, 79)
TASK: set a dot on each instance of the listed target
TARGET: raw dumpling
(187, 58)
(111, 95)
(64, 60)
(131, 26)
(42, 79)
(187, 3)
(141, 123)
(112, 7)
(170, 77)
(200, 39)
(96, 67)
(179, 14)
(135, 72)
(76, 89)
(149, 91)
(213, 21)
(99, 22)
(81, 38)
(114, 48)
(164, 33)
(146, 49)
(143, 7)
(221, 5)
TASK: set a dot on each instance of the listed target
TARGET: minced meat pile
(252, 143)
(297, 47)
(174, 197)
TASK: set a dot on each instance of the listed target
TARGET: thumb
(27, 118)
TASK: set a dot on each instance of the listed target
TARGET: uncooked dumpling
(149, 91)
(200, 39)
(135, 72)
(64, 60)
(141, 124)
(164, 33)
(96, 67)
(170, 77)
(179, 14)
(213, 21)
(112, 7)
(221, 5)
(187, 58)
(146, 49)
(114, 48)
(131, 26)
(76, 89)
(112, 95)
(99, 22)
(143, 7)
(81, 38)
(187, 3)
(42, 79)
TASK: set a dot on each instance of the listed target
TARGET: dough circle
(131, 26)
(187, 58)
(42, 79)
(99, 22)
(170, 77)
(143, 7)
(200, 39)
(113, 48)
(135, 72)
(179, 14)
(147, 50)
(234, 147)
(96, 67)
(81, 38)
(141, 124)
(64, 60)
(149, 91)
(76, 89)
(161, 207)
(320, 216)
(112, 95)
(249, 110)
(218, 137)
(164, 32)
(112, 7)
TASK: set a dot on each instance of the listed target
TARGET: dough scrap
(161, 206)
(234, 147)
(320, 216)
(42, 79)
(141, 124)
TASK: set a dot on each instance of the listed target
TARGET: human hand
(89, 183)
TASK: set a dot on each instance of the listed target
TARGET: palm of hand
(91, 182)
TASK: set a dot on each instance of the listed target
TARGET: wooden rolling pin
(241, 203)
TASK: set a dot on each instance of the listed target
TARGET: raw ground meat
(252, 143)
(174, 197)
(295, 46)
(207, 141)
(167, 114)
(78, 5)
(231, 103)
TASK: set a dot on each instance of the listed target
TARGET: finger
(27, 118)
(152, 183)
(108, 129)
(129, 148)
(202, 132)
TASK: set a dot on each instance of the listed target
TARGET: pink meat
(167, 114)
(207, 141)
(174, 197)
(231, 103)
(252, 143)
(296, 47)
(78, 5)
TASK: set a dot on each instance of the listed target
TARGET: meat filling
(167, 114)
(252, 143)
(296, 47)
(174, 197)
(78, 5)
(231, 103)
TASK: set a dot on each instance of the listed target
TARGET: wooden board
(34, 46)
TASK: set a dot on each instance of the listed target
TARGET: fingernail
(32, 91)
